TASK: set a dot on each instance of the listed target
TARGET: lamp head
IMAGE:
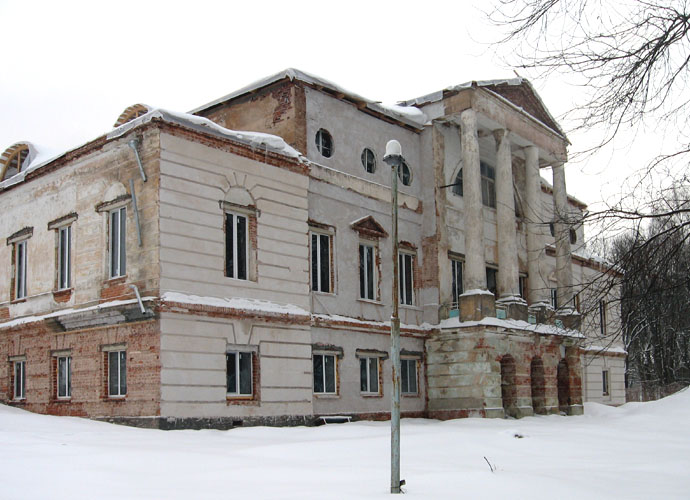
(393, 156)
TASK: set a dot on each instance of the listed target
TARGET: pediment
(368, 226)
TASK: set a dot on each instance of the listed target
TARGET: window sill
(370, 395)
(410, 395)
(321, 395)
(116, 398)
(18, 301)
(410, 307)
(62, 295)
(370, 301)
(115, 280)
(319, 292)
(61, 400)
(18, 401)
(239, 397)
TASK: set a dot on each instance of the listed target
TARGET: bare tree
(632, 59)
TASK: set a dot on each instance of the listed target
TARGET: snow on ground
(638, 451)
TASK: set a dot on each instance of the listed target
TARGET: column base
(476, 305)
(514, 306)
(542, 312)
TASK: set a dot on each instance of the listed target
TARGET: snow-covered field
(641, 450)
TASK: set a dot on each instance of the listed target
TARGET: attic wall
(278, 109)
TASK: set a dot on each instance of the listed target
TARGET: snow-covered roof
(485, 84)
(403, 113)
(256, 140)
(72, 310)
(511, 324)
(238, 303)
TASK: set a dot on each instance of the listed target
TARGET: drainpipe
(134, 143)
(141, 304)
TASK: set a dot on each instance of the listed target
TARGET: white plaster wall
(194, 178)
(349, 398)
(193, 367)
(593, 367)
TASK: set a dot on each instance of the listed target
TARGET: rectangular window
(554, 298)
(491, 279)
(118, 240)
(458, 289)
(369, 375)
(19, 379)
(64, 257)
(236, 238)
(488, 174)
(602, 317)
(324, 373)
(117, 373)
(366, 272)
(406, 285)
(605, 382)
(408, 376)
(522, 286)
(239, 373)
(64, 377)
(320, 262)
(20, 270)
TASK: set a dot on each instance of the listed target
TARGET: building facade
(178, 273)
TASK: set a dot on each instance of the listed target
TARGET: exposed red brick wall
(36, 342)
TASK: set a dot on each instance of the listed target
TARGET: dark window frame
(324, 143)
(243, 373)
(237, 245)
(322, 370)
(405, 376)
(321, 269)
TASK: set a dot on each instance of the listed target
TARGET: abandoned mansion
(233, 265)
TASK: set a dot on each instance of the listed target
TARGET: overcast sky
(70, 68)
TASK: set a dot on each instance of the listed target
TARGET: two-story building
(176, 272)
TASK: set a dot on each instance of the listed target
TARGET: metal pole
(395, 341)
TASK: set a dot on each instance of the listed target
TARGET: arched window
(369, 160)
(324, 143)
(405, 174)
(457, 185)
(131, 113)
(14, 160)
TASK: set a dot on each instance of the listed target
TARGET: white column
(508, 272)
(538, 286)
(564, 273)
(475, 266)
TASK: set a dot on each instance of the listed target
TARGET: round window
(369, 160)
(405, 174)
(324, 143)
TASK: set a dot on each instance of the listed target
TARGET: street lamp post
(394, 158)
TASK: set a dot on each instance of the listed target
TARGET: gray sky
(70, 68)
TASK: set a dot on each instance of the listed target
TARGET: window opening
(320, 262)
(324, 143)
(20, 270)
(405, 174)
(457, 287)
(369, 375)
(64, 376)
(405, 269)
(457, 186)
(19, 379)
(554, 298)
(605, 382)
(491, 279)
(236, 228)
(239, 373)
(366, 272)
(369, 160)
(118, 239)
(64, 257)
(602, 317)
(488, 175)
(408, 376)
(324, 373)
(117, 373)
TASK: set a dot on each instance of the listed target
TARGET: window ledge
(370, 395)
(62, 295)
(410, 395)
(370, 301)
(410, 307)
(18, 301)
(17, 401)
(115, 280)
(61, 400)
(326, 396)
(318, 292)
(116, 398)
